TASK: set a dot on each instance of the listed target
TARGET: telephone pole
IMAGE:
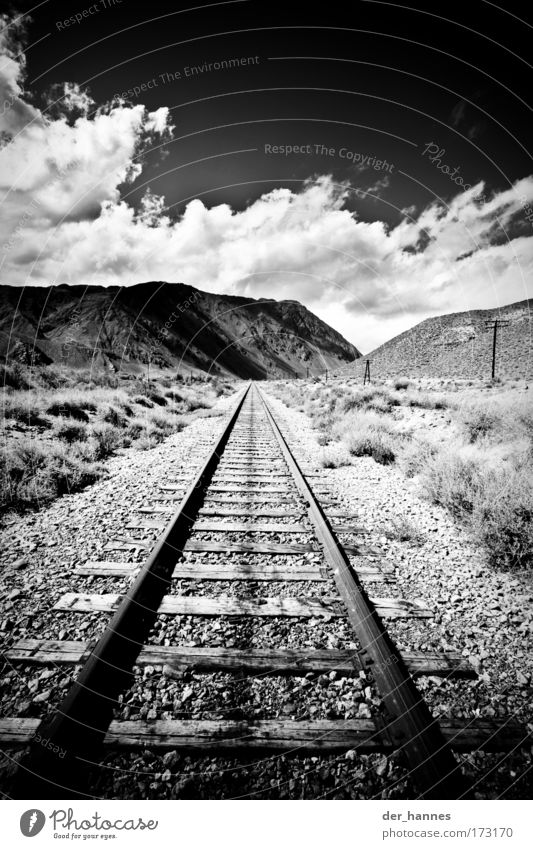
(367, 373)
(495, 323)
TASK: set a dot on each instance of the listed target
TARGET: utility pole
(495, 323)
(367, 373)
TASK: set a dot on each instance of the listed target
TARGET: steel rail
(408, 723)
(76, 729)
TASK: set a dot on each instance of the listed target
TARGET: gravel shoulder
(484, 613)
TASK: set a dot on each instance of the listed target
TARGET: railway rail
(250, 519)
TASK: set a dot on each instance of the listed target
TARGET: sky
(368, 159)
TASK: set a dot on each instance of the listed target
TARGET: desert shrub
(415, 455)
(165, 423)
(114, 416)
(365, 434)
(14, 376)
(143, 401)
(402, 529)
(402, 383)
(50, 377)
(70, 431)
(426, 401)
(25, 410)
(105, 438)
(33, 474)
(479, 420)
(494, 498)
(148, 441)
(156, 397)
(503, 515)
(451, 478)
(74, 409)
(334, 456)
(197, 403)
(173, 395)
(135, 428)
(373, 398)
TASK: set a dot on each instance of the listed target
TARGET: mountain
(458, 345)
(167, 325)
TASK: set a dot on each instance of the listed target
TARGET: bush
(14, 376)
(402, 383)
(366, 435)
(143, 401)
(479, 420)
(428, 402)
(156, 397)
(74, 409)
(71, 431)
(334, 456)
(503, 517)
(105, 439)
(495, 499)
(415, 456)
(114, 416)
(25, 411)
(403, 530)
(175, 396)
(32, 475)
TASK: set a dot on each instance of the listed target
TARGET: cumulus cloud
(63, 219)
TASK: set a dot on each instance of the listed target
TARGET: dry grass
(480, 469)
(80, 420)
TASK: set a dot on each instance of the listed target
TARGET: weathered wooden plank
(108, 568)
(325, 735)
(228, 572)
(349, 528)
(250, 660)
(228, 487)
(263, 527)
(251, 463)
(199, 572)
(177, 605)
(227, 477)
(222, 605)
(362, 551)
(224, 547)
(253, 498)
(244, 511)
(127, 544)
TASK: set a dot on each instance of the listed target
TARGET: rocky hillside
(166, 325)
(458, 345)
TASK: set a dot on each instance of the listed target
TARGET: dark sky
(375, 79)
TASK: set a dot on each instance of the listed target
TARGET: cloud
(65, 218)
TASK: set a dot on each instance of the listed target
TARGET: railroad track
(248, 522)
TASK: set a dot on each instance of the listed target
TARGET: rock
(382, 766)
(42, 697)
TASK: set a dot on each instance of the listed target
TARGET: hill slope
(458, 345)
(167, 324)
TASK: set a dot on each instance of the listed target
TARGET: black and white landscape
(241, 243)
